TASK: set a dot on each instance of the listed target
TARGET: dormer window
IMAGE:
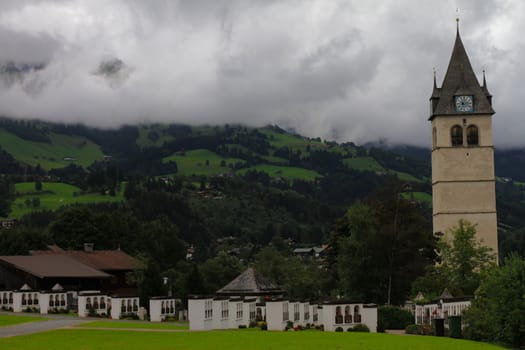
(456, 134)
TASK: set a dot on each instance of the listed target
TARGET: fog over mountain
(344, 70)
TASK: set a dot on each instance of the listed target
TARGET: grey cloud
(350, 70)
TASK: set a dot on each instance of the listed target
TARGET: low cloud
(345, 70)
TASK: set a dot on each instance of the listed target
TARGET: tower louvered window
(456, 134)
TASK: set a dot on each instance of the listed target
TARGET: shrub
(252, 324)
(411, 329)
(264, 326)
(242, 326)
(393, 317)
(339, 329)
(497, 313)
(359, 328)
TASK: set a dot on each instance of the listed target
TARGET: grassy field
(276, 160)
(53, 196)
(136, 325)
(287, 172)
(363, 164)
(9, 320)
(404, 176)
(279, 140)
(419, 196)
(79, 339)
(202, 162)
(51, 155)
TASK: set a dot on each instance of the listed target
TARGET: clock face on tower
(464, 103)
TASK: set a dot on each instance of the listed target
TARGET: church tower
(463, 182)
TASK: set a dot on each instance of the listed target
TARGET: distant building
(86, 269)
(7, 224)
(251, 298)
(311, 252)
(114, 263)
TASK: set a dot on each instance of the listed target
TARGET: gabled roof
(250, 282)
(52, 266)
(460, 80)
(106, 260)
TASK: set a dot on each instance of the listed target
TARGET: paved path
(41, 326)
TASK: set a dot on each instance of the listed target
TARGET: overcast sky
(345, 70)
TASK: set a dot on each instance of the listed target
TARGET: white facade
(161, 307)
(222, 313)
(53, 301)
(124, 306)
(200, 314)
(443, 308)
(25, 299)
(93, 301)
(277, 314)
(347, 315)
(6, 300)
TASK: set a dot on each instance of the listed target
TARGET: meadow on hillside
(53, 196)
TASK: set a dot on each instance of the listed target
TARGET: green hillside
(53, 196)
(51, 155)
(153, 135)
(287, 172)
(363, 164)
(202, 162)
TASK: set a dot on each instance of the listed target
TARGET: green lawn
(53, 196)
(363, 164)
(9, 320)
(51, 155)
(202, 162)
(136, 325)
(287, 172)
(79, 339)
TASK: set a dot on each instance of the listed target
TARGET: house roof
(250, 282)
(106, 260)
(46, 266)
(303, 250)
(460, 80)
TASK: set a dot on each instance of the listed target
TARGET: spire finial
(435, 84)
(484, 81)
(457, 20)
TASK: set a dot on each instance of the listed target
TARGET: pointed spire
(485, 89)
(436, 90)
(461, 80)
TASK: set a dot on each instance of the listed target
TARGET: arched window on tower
(456, 134)
(472, 135)
(434, 137)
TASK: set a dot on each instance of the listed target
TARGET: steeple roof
(250, 282)
(460, 80)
